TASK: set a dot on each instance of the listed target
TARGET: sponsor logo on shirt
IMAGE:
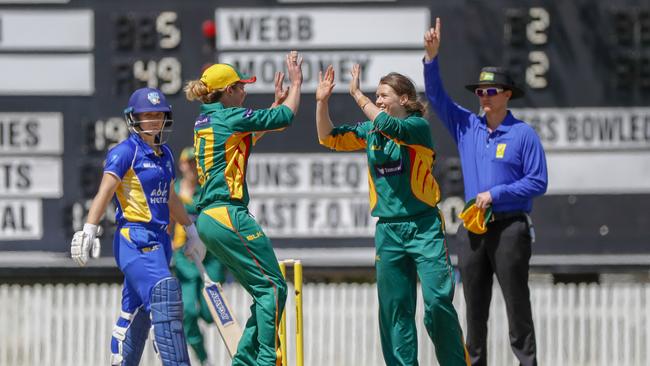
(248, 113)
(201, 120)
(148, 164)
(252, 237)
(160, 195)
(390, 168)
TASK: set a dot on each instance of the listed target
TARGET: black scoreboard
(67, 68)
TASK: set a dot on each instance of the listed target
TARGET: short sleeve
(119, 159)
(348, 137)
(170, 164)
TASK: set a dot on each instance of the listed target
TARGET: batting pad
(167, 320)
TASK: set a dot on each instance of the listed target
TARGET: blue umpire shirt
(509, 162)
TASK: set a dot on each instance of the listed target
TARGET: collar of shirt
(144, 146)
(505, 125)
(211, 107)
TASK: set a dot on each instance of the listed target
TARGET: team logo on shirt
(248, 113)
(501, 150)
(154, 98)
(160, 195)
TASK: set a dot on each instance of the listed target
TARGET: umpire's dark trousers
(503, 250)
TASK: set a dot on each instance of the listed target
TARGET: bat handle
(199, 265)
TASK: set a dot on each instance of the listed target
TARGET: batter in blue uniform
(139, 177)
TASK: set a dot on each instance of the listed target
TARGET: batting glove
(85, 243)
(194, 247)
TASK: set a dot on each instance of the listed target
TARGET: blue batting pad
(167, 319)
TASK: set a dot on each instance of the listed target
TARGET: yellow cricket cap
(187, 154)
(475, 219)
(219, 76)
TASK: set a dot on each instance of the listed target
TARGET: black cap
(499, 76)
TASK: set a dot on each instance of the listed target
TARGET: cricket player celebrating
(139, 176)
(224, 133)
(409, 238)
(194, 306)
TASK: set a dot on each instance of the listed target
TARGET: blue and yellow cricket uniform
(409, 237)
(223, 138)
(141, 246)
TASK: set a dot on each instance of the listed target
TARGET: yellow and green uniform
(223, 138)
(194, 306)
(409, 237)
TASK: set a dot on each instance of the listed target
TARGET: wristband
(90, 229)
(363, 101)
(190, 230)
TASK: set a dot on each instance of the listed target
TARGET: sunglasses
(487, 92)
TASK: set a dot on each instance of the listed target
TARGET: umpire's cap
(219, 76)
(493, 75)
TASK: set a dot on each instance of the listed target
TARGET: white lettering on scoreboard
(72, 74)
(334, 174)
(310, 195)
(31, 133)
(325, 217)
(21, 219)
(374, 65)
(590, 128)
(594, 150)
(311, 28)
(31, 177)
(47, 30)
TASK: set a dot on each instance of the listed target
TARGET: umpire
(504, 168)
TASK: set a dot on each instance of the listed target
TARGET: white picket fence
(576, 325)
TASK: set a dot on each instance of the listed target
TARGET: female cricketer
(224, 133)
(139, 176)
(409, 237)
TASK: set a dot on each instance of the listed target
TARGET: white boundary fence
(576, 325)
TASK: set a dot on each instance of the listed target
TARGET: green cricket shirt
(400, 162)
(223, 138)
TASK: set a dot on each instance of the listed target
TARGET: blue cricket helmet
(148, 100)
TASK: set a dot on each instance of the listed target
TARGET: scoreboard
(67, 68)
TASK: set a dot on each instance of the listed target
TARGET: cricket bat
(221, 311)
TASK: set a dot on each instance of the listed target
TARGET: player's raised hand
(432, 41)
(280, 92)
(325, 84)
(355, 80)
(294, 67)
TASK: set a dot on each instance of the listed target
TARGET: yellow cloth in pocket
(475, 219)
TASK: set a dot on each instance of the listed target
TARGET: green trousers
(233, 236)
(194, 306)
(407, 250)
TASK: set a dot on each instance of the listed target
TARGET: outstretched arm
(324, 90)
(280, 96)
(455, 118)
